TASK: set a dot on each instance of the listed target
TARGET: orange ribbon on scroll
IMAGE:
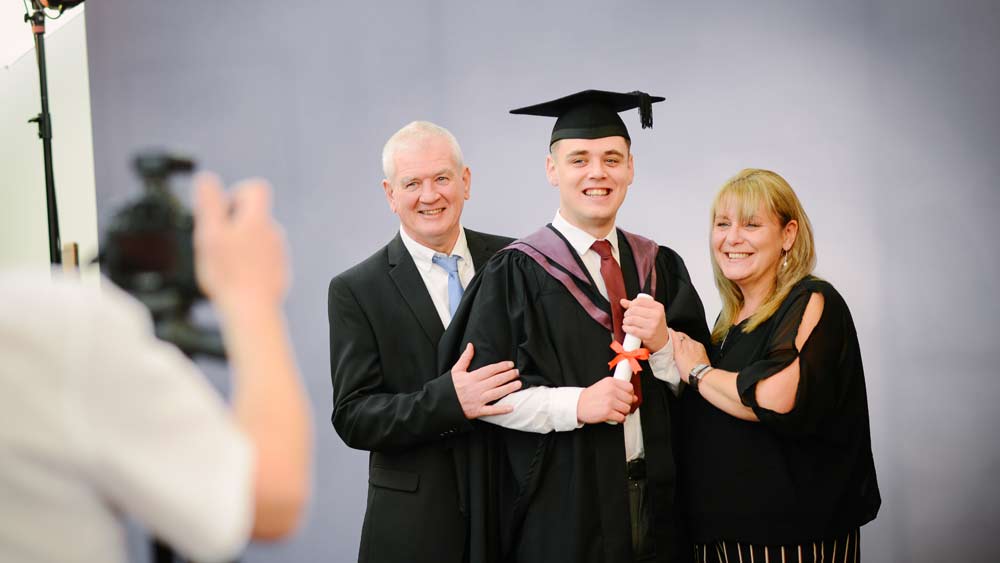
(633, 357)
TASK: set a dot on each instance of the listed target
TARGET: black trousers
(643, 547)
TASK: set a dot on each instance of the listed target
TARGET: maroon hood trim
(545, 247)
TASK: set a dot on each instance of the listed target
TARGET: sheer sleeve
(822, 366)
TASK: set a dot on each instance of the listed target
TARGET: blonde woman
(776, 462)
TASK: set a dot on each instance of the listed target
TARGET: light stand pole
(44, 121)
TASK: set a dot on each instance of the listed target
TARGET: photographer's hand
(239, 248)
(242, 266)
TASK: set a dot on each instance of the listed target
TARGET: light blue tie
(450, 265)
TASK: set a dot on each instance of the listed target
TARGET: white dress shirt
(435, 277)
(544, 409)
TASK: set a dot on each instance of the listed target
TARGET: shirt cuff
(665, 368)
(562, 408)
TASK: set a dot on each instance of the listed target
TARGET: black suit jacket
(390, 399)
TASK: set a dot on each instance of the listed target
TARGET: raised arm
(242, 267)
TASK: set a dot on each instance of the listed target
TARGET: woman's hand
(687, 352)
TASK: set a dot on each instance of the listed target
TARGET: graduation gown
(562, 496)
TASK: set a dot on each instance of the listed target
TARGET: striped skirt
(845, 549)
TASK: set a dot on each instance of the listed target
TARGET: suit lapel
(480, 247)
(411, 286)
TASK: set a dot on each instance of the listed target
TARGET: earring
(784, 263)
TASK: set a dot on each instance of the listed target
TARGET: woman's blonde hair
(747, 191)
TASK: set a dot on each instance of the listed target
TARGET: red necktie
(615, 284)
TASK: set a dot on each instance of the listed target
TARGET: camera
(148, 251)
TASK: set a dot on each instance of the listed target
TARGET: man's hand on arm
(478, 388)
(646, 318)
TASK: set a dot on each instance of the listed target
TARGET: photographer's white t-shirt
(98, 419)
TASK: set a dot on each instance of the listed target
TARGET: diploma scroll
(631, 342)
(623, 370)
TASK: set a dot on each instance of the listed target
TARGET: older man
(387, 315)
(559, 484)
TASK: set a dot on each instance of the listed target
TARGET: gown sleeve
(503, 323)
(499, 317)
(684, 309)
(824, 365)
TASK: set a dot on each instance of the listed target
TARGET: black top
(562, 496)
(791, 478)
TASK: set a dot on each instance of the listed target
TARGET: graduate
(583, 467)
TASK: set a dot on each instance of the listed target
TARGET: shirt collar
(423, 256)
(579, 239)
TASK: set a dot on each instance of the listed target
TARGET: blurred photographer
(99, 419)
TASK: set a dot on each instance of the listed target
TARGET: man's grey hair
(411, 135)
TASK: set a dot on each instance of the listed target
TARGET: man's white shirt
(434, 276)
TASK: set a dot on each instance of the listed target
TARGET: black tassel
(645, 109)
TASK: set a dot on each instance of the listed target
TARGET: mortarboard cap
(593, 114)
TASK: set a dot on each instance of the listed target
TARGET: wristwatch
(696, 373)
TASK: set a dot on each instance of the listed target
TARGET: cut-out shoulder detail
(814, 310)
(778, 392)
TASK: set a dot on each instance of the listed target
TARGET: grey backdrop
(883, 114)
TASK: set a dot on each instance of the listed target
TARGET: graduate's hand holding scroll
(646, 318)
(477, 389)
(608, 400)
